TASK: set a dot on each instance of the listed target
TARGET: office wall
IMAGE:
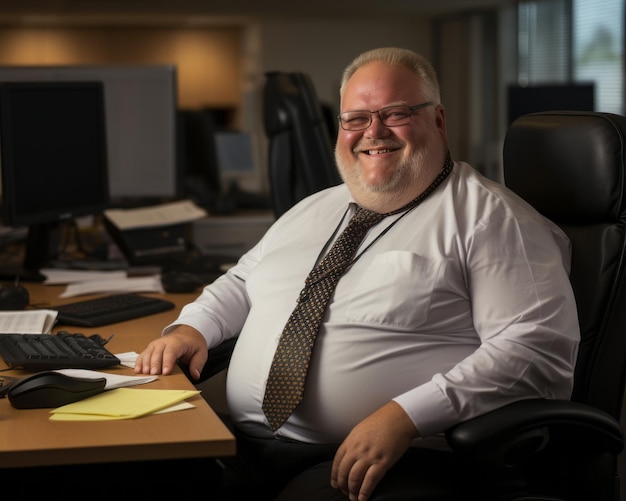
(323, 47)
(208, 60)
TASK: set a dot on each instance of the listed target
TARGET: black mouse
(52, 389)
(180, 281)
(13, 297)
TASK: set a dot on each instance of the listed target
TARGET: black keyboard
(110, 309)
(36, 352)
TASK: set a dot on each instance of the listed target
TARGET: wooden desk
(29, 438)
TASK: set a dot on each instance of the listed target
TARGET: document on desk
(184, 211)
(60, 276)
(112, 380)
(150, 283)
(80, 282)
(27, 322)
(120, 403)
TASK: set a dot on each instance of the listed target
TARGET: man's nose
(377, 128)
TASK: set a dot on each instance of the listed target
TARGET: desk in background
(231, 235)
(29, 438)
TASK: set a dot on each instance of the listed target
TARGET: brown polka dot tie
(285, 384)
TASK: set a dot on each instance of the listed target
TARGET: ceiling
(264, 8)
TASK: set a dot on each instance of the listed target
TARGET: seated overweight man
(376, 314)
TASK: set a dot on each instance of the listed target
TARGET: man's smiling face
(388, 163)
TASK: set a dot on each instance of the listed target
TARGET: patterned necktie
(285, 384)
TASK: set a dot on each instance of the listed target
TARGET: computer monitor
(198, 156)
(140, 103)
(549, 97)
(235, 156)
(53, 159)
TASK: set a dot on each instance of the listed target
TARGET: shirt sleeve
(524, 312)
(221, 309)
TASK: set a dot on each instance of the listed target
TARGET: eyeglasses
(391, 116)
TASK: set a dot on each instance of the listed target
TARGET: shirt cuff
(429, 409)
(202, 324)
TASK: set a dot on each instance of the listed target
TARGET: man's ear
(440, 118)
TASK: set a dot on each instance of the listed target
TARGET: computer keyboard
(110, 309)
(36, 352)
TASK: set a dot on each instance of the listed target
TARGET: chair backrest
(301, 160)
(570, 167)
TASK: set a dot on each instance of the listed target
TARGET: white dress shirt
(463, 305)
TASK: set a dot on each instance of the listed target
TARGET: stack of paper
(81, 282)
(27, 322)
(121, 403)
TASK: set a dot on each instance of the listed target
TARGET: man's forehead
(376, 85)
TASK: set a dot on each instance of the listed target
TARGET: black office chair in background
(570, 166)
(301, 159)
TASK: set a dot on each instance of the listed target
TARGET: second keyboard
(110, 309)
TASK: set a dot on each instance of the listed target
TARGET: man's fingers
(334, 473)
(197, 363)
(355, 478)
(147, 360)
(373, 476)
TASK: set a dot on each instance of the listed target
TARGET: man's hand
(372, 447)
(184, 343)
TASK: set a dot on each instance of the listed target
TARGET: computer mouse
(180, 281)
(52, 389)
(13, 297)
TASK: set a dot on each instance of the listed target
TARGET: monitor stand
(19, 274)
(36, 255)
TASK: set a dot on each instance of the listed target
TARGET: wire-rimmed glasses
(390, 116)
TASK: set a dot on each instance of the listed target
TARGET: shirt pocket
(395, 290)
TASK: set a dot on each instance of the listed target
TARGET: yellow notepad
(120, 403)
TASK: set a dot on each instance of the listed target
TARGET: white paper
(168, 214)
(176, 407)
(55, 276)
(112, 380)
(132, 284)
(128, 358)
(27, 322)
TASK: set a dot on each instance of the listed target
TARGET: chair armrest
(514, 432)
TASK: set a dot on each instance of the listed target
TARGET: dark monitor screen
(53, 156)
(235, 154)
(140, 105)
(533, 98)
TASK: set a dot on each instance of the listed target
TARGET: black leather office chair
(570, 166)
(301, 159)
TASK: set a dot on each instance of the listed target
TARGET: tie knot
(366, 217)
